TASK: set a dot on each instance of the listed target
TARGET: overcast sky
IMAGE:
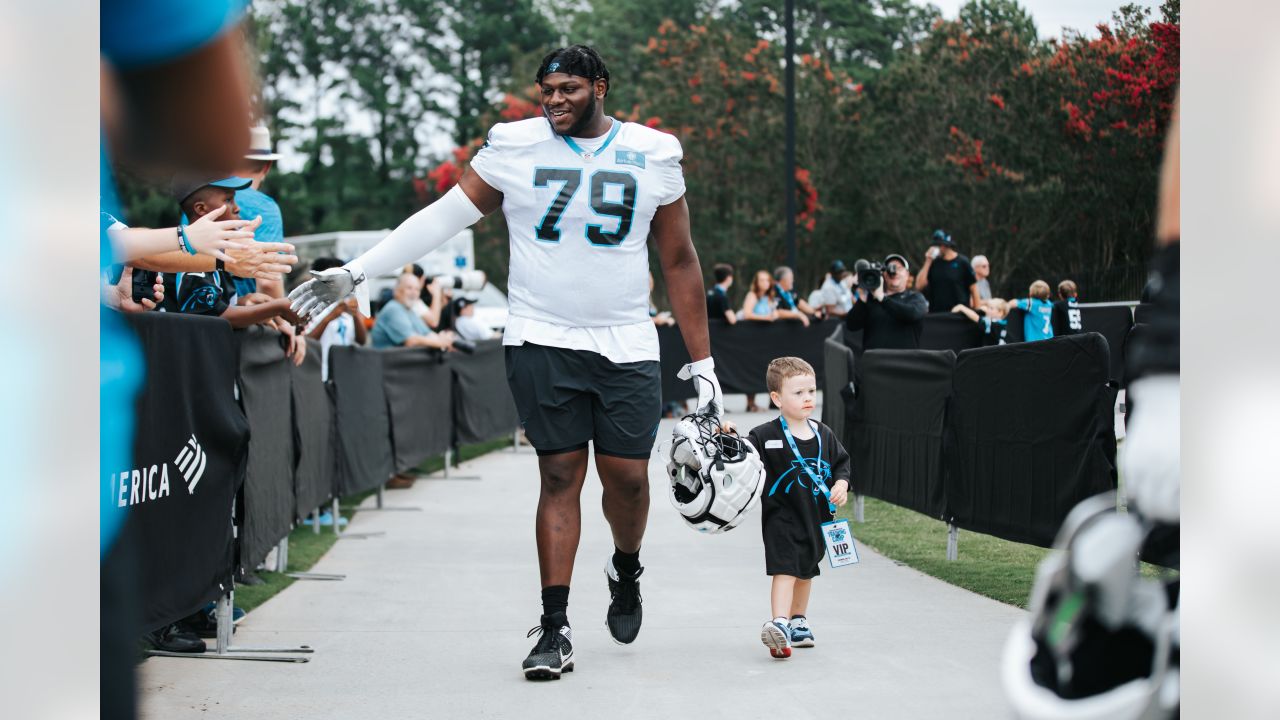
(1053, 15)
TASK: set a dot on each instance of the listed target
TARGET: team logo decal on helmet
(716, 478)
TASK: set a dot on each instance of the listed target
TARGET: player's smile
(565, 100)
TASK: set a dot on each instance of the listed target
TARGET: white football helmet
(716, 478)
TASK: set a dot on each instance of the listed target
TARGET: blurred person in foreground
(582, 193)
(398, 326)
(718, 305)
(149, 108)
(946, 278)
(889, 316)
(1102, 638)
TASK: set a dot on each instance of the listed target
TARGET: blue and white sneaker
(801, 635)
(776, 636)
(326, 520)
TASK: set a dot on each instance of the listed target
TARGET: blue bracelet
(182, 237)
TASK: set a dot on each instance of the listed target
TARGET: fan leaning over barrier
(716, 478)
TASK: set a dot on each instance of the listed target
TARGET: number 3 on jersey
(570, 179)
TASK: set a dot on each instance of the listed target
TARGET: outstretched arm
(421, 233)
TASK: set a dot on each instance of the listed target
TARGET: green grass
(999, 569)
(306, 547)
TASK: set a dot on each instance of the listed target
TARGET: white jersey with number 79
(578, 212)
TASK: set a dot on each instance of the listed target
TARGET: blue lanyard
(817, 481)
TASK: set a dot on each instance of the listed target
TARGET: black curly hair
(578, 60)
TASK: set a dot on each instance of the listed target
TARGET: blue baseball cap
(184, 184)
(940, 237)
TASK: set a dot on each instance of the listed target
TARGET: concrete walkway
(431, 623)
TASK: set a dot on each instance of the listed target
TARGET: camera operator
(947, 278)
(887, 312)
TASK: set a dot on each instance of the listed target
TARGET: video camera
(870, 275)
(467, 281)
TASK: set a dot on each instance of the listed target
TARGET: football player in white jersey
(582, 193)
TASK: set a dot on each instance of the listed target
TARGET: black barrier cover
(837, 393)
(483, 409)
(419, 389)
(189, 455)
(267, 397)
(1113, 323)
(362, 421)
(742, 353)
(1030, 434)
(314, 460)
(950, 331)
(1142, 313)
(898, 429)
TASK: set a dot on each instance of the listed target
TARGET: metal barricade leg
(858, 508)
(953, 542)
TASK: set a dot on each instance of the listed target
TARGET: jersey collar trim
(613, 131)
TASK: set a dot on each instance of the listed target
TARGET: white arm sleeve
(421, 233)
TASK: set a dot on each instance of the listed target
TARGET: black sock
(626, 563)
(555, 599)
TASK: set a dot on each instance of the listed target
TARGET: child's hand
(840, 493)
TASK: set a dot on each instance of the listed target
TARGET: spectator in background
(891, 317)
(982, 271)
(398, 326)
(718, 305)
(789, 306)
(946, 279)
(759, 304)
(836, 291)
(431, 313)
(465, 322)
(343, 326)
(660, 318)
(993, 318)
(1067, 319)
(1037, 323)
(214, 293)
(257, 205)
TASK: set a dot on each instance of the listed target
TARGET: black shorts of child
(569, 398)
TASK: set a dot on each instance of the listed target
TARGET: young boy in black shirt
(1066, 314)
(806, 478)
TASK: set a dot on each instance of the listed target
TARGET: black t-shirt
(949, 282)
(792, 514)
(199, 293)
(890, 324)
(717, 303)
(1066, 318)
(994, 332)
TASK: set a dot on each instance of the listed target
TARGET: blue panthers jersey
(1037, 324)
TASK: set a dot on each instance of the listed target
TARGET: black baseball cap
(940, 237)
(183, 184)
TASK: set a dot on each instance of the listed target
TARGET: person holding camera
(947, 277)
(888, 314)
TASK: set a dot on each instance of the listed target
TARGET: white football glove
(1150, 462)
(317, 296)
(703, 374)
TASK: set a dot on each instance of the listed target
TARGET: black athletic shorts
(567, 398)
